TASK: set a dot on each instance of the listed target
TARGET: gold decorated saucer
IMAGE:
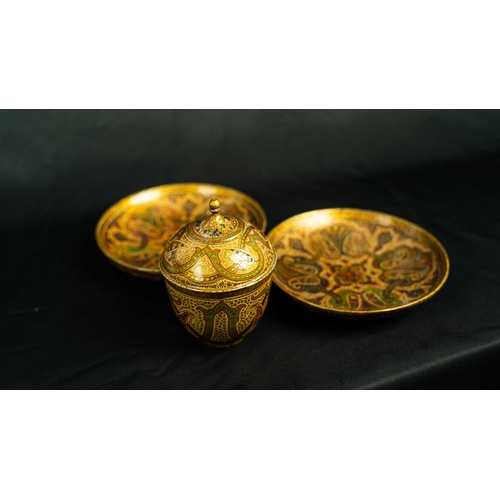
(357, 263)
(134, 231)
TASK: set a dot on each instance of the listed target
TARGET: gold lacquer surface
(218, 273)
(220, 321)
(217, 254)
(357, 263)
(134, 231)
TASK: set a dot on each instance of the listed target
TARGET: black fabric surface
(68, 319)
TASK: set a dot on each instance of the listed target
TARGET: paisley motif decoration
(221, 322)
(218, 273)
(133, 232)
(357, 262)
(220, 264)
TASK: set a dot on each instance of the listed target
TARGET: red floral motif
(347, 275)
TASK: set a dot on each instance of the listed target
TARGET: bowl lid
(218, 253)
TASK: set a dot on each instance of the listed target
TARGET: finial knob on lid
(214, 206)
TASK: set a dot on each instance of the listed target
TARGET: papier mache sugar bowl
(218, 273)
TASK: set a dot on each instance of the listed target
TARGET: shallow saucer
(357, 263)
(133, 232)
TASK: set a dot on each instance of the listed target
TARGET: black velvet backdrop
(68, 319)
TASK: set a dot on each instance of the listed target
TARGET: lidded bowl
(218, 273)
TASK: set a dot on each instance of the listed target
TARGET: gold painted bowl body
(357, 263)
(134, 231)
(218, 273)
